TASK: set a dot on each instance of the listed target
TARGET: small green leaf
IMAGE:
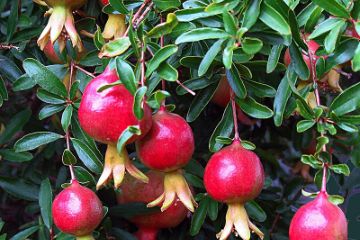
(210, 56)
(160, 56)
(126, 135)
(304, 125)
(248, 145)
(311, 161)
(348, 127)
(298, 63)
(321, 141)
(251, 45)
(34, 140)
(234, 78)
(223, 140)
(253, 108)
(201, 34)
(347, 101)
(45, 202)
(50, 110)
(115, 48)
(251, 14)
(87, 156)
(229, 23)
(255, 211)
(168, 72)
(164, 28)
(126, 75)
(199, 216)
(341, 169)
(66, 117)
(119, 6)
(138, 102)
(68, 158)
(274, 19)
(12, 156)
(333, 7)
(24, 234)
(336, 199)
(228, 54)
(273, 58)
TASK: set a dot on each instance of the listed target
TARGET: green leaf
(343, 53)
(234, 78)
(115, 48)
(228, 54)
(304, 125)
(138, 102)
(20, 188)
(24, 234)
(99, 40)
(15, 124)
(313, 19)
(224, 128)
(251, 45)
(321, 141)
(198, 218)
(248, 145)
(347, 101)
(35, 140)
(45, 202)
(333, 7)
(165, 5)
(201, 34)
(294, 25)
(83, 175)
(341, 169)
(311, 161)
(126, 135)
(209, 57)
(164, 28)
(200, 101)
(12, 20)
(44, 77)
(187, 15)
(197, 83)
(87, 156)
(3, 90)
(223, 140)
(336, 199)
(355, 62)
(273, 58)
(260, 89)
(332, 38)
(66, 117)
(255, 211)
(274, 19)
(253, 108)
(12, 156)
(126, 75)
(119, 6)
(348, 127)
(213, 210)
(251, 14)
(157, 98)
(168, 72)
(298, 63)
(68, 158)
(50, 110)
(229, 23)
(325, 26)
(160, 56)
(49, 97)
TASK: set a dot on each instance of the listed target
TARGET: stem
(142, 61)
(163, 83)
(67, 133)
(84, 71)
(142, 17)
(8, 47)
(136, 16)
(233, 105)
(318, 103)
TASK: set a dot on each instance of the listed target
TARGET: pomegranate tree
(149, 225)
(61, 18)
(105, 115)
(168, 147)
(235, 175)
(77, 211)
(319, 219)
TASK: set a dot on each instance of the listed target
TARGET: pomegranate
(50, 53)
(149, 225)
(104, 116)
(168, 147)
(77, 211)
(234, 176)
(61, 18)
(319, 219)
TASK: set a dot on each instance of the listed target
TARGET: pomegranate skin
(50, 53)
(169, 144)
(319, 220)
(104, 2)
(77, 210)
(133, 190)
(222, 93)
(105, 115)
(234, 175)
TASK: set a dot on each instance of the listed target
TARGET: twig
(142, 17)
(142, 61)
(8, 47)
(233, 105)
(136, 15)
(84, 71)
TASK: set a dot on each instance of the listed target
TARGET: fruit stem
(233, 105)
(318, 103)
(163, 83)
(67, 133)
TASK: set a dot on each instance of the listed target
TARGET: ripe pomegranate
(168, 147)
(319, 219)
(150, 224)
(234, 176)
(77, 211)
(104, 116)
(61, 18)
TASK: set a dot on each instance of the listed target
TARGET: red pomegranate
(168, 147)
(50, 53)
(149, 225)
(104, 116)
(104, 2)
(234, 176)
(77, 211)
(319, 220)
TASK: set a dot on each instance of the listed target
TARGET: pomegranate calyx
(236, 217)
(175, 185)
(88, 237)
(115, 27)
(116, 164)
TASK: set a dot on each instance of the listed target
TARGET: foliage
(191, 45)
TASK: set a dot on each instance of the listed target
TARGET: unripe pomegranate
(168, 147)
(77, 211)
(149, 224)
(234, 176)
(319, 219)
(104, 116)
(61, 18)
(50, 53)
